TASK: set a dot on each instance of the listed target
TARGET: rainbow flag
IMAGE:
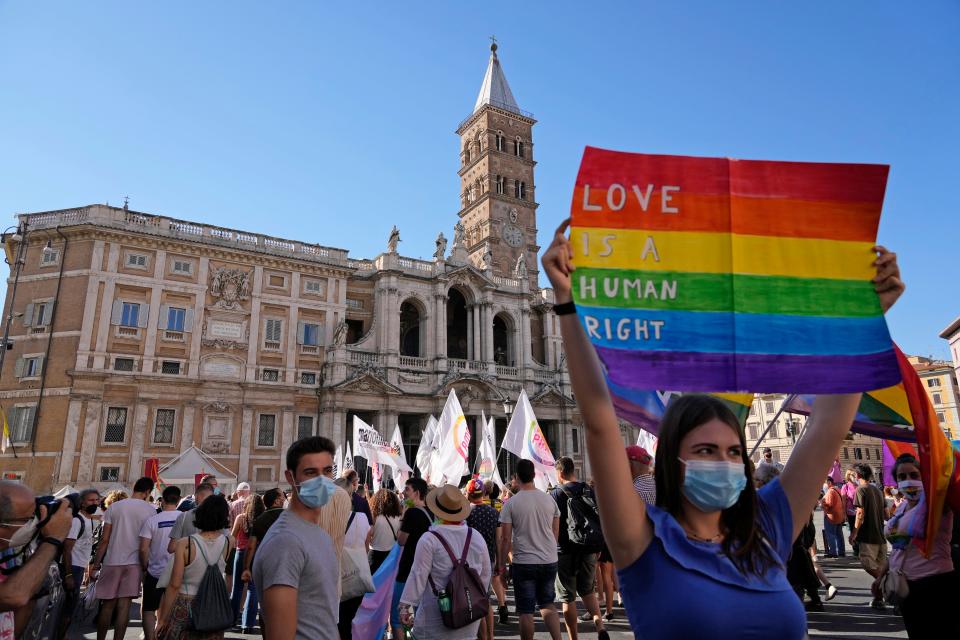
(709, 274)
(645, 409)
(884, 413)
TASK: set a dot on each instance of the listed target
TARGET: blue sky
(330, 122)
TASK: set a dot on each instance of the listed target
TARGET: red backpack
(464, 599)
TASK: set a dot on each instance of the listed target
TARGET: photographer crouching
(23, 521)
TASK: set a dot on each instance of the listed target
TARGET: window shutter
(301, 330)
(28, 315)
(142, 314)
(188, 321)
(18, 368)
(47, 313)
(319, 335)
(117, 313)
(41, 362)
(28, 423)
(164, 313)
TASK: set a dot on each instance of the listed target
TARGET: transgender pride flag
(374, 613)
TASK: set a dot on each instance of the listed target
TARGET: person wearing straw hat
(432, 561)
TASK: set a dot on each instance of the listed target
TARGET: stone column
(470, 340)
(440, 318)
(286, 433)
(291, 359)
(91, 439)
(196, 336)
(186, 427)
(140, 414)
(65, 473)
(254, 343)
(93, 285)
(488, 331)
(150, 346)
(246, 429)
(525, 355)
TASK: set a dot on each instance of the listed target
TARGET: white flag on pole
(347, 460)
(487, 454)
(369, 444)
(425, 451)
(454, 439)
(400, 475)
(338, 462)
(524, 439)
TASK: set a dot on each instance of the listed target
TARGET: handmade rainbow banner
(709, 274)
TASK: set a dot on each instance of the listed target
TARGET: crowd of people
(296, 561)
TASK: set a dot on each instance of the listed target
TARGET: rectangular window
(273, 330)
(933, 382)
(311, 333)
(753, 409)
(49, 256)
(41, 314)
(308, 378)
(753, 431)
(523, 190)
(109, 474)
(130, 315)
(499, 141)
(31, 367)
(937, 399)
(941, 417)
(170, 367)
(868, 454)
(277, 281)
(163, 426)
(312, 286)
(21, 423)
(136, 260)
(576, 440)
(304, 427)
(123, 364)
(857, 453)
(116, 431)
(266, 434)
(270, 375)
(768, 407)
(182, 267)
(775, 430)
(519, 148)
(516, 188)
(176, 318)
(353, 303)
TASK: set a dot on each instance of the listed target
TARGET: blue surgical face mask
(216, 491)
(713, 485)
(316, 492)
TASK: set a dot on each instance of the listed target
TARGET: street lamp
(508, 406)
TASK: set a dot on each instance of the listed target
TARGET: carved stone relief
(229, 287)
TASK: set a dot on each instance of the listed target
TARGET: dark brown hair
(385, 503)
(743, 541)
(904, 458)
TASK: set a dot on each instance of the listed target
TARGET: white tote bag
(355, 578)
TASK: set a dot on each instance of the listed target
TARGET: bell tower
(498, 209)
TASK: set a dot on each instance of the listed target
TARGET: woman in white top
(433, 561)
(357, 536)
(190, 559)
(386, 525)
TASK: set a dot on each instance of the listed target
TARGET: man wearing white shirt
(154, 537)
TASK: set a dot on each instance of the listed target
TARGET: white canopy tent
(182, 470)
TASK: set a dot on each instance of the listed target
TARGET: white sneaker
(831, 592)
(619, 599)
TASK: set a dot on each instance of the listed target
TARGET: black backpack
(211, 609)
(583, 520)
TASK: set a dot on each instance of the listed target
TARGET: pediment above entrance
(551, 396)
(367, 382)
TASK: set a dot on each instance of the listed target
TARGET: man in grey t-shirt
(184, 527)
(296, 569)
(530, 525)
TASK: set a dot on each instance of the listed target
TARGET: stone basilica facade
(134, 336)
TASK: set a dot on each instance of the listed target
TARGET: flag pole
(771, 423)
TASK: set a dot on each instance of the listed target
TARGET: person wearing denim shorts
(530, 525)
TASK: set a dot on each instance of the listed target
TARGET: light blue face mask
(713, 485)
(316, 492)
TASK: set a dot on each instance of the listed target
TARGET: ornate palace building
(133, 336)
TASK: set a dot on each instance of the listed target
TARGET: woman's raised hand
(887, 282)
(558, 263)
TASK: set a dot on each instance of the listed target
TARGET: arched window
(500, 183)
(411, 327)
(504, 352)
(479, 143)
(499, 140)
(519, 147)
(466, 153)
(457, 343)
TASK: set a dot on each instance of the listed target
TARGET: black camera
(52, 504)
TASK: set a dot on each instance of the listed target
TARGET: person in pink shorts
(118, 557)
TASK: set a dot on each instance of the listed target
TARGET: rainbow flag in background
(884, 413)
(645, 409)
(709, 274)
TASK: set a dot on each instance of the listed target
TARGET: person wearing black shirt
(416, 522)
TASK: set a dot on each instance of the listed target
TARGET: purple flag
(888, 460)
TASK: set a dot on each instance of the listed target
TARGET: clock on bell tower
(498, 209)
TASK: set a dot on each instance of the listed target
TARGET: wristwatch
(564, 308)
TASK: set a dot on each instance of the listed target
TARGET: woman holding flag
(711, 532)
(931, 582)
